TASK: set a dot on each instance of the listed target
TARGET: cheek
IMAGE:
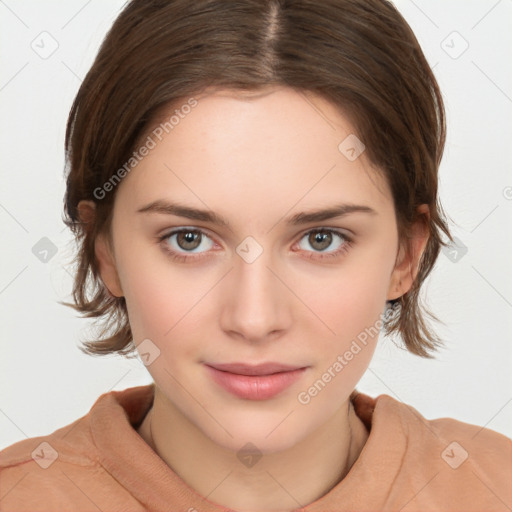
(351, 297)
(150, 301)
(163, 299)
(353, 314)
(349, 301)
(352, 308)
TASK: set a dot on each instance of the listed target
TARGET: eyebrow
(180, 210)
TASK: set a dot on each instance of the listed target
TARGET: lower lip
(255, 387)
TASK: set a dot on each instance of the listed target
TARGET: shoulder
(44, 466)
(455, 464)
(69, 444)
(486, 444)
(60, 471)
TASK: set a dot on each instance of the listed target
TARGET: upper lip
(259, 369)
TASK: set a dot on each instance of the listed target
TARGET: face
(270, 284)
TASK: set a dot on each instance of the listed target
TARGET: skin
(256, 161)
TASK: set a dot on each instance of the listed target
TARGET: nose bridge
(256, 306)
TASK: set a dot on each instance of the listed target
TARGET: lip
(255, 382)
(255, 369)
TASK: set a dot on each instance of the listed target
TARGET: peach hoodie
(100, 463)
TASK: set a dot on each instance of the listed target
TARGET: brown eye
(320, 240)
(188, 240)
(325, 242)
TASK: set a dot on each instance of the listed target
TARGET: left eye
(321, 239)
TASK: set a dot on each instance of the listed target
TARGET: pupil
(324, 239)
(188, 237)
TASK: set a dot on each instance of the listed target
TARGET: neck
(278, 482)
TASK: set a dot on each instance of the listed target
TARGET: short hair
(360, 55)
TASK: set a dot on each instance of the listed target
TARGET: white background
(46, 382)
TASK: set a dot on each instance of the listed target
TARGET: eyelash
(175, 256)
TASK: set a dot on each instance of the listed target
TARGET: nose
(255, 302)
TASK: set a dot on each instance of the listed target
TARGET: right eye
(183, 242)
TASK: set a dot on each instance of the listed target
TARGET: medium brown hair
(360, 55)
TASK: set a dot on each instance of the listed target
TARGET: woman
(253, 185)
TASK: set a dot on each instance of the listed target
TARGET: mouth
(254, 382)
(258, 369)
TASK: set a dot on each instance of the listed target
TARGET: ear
(409, 254)
(102, 249)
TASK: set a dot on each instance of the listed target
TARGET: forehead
(277, 147)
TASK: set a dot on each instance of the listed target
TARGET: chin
(268, 435)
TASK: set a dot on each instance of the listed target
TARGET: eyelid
(166, 233)
(348, 240)
(318, 255)
(176, 230)
(344, 232)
